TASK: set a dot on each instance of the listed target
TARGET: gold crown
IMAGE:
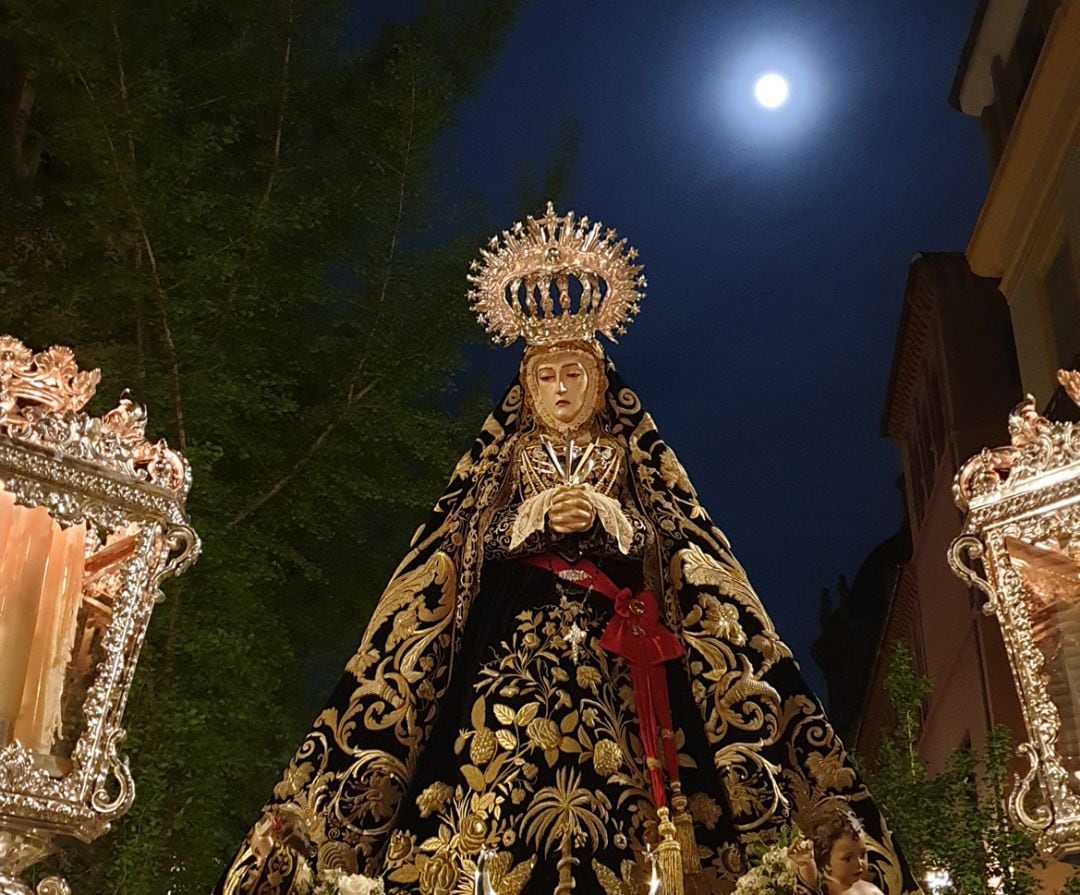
(521, 286)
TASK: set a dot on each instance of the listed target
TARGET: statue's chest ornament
(547, 464)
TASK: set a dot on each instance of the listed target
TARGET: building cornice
(928, 274)
(992, 33)
(1046, 132)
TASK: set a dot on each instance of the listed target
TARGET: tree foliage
(956, 820)
(231, 212)
(911, 799)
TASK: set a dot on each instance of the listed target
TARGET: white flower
(773, 875)
(335, 881)
(329, 879)
(752, 883)
(357, 884)
(303, 879)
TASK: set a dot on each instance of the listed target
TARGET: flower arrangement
(772, 869)
(283, 826)
(338, 882)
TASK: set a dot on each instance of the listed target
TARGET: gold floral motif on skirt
(550, 765)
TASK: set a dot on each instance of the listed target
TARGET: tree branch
(401, 193)
(275, 164)
(279, 130)
(144, 236)
(160, 297)
(121, 81)
(351, 398)
(25, 164)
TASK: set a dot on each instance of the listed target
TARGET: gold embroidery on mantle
(398, 688)
(498, 795)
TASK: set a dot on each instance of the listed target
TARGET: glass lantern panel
(56, 592)
(1051, 579)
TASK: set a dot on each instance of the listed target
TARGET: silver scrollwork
(1042, 816)
(973, 548)
(182, 548)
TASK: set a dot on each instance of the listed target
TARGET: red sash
(636, 634)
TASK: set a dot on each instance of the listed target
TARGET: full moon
(771, 90)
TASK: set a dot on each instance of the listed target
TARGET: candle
(22, 573)
(7, 513)
(39, 722)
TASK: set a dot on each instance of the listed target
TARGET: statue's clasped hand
(571, 510)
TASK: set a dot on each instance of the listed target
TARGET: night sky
(776, 243)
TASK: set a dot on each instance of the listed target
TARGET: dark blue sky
(776, 243)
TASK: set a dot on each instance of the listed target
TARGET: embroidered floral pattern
(544, 759)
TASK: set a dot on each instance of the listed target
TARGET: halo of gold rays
(511, 283)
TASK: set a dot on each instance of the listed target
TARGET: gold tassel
(668, 859)
(684, 831)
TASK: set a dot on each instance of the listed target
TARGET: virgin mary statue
(569, 683)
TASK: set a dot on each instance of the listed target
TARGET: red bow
(635, 632)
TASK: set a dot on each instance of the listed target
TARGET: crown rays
(554, 279)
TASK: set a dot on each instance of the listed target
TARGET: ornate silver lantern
(91, 520)
(1022, 526)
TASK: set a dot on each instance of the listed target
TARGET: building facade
(1020, 76)
(954, 378)
(979, 330)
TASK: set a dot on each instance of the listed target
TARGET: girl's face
(847, 863)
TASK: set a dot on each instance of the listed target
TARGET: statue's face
(562, 382)
(563, 385)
